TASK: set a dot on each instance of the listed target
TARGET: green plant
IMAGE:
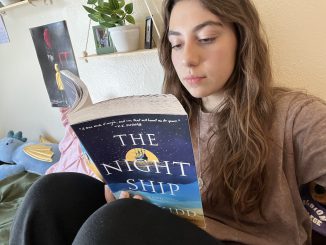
(110, 13)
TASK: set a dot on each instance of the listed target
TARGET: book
(54, 52)
(140, 144)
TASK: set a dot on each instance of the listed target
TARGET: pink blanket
(71, 159)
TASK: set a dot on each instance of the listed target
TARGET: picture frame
(103, 41)
(148, 32)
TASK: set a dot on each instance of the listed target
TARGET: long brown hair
(237, 163)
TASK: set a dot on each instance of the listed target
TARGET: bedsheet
(12, 192)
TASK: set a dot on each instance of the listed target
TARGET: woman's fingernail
(124, 194)
(139, 197)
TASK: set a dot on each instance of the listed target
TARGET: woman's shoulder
(293, 102)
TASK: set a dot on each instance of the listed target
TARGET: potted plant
(114, 15)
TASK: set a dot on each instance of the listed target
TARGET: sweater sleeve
(309, 136)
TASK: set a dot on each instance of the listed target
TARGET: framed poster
(103, 42)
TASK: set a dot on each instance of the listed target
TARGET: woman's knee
(112, 222)
(64, 188)
(126, 221)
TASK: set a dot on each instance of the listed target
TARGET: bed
(12, 192)
(14, 187)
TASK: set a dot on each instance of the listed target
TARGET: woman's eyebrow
(173, 33)
(207, 23)
(198, 27)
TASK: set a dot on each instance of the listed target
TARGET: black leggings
(69, 208)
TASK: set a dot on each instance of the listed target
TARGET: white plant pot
(125, 38)
(8, 2)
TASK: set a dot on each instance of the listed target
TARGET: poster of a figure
(54, 51)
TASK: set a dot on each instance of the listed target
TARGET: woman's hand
(109, 197)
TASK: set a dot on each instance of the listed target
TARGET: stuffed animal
(18, 155)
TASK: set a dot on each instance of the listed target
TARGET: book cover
(54, 52)
(141, 144)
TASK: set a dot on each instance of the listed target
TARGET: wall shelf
(117, 54)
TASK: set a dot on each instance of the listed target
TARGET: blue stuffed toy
(18, 155)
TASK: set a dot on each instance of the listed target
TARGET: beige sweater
(297, 157)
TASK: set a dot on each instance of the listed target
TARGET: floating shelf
(117, 54)
(14, 5)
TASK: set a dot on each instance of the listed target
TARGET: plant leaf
(114, 4)
(107, 24)
(94, 17)
(114, 16)
(99, 9)
(113, 19)
(130, 19)
(100, 3)
(129, 8)
(106, 18)
(122, 3)
(107, 10)
(89, 10)
(120, 12)
(91, 1)
(107, 5)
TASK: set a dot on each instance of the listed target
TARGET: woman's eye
(175, 46)
(207, 40)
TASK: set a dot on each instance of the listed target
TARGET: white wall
(24, 103)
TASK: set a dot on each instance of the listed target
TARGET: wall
(24, 103)
(295, 29)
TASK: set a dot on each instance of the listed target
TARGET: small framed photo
(149, 32)
(103, 40)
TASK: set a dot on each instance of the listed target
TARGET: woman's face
(203, 49)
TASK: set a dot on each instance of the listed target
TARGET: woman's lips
(194, 80)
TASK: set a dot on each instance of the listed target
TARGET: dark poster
(54, 51)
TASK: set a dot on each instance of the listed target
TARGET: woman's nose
(191, 55)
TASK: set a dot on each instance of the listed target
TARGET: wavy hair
(237, 161)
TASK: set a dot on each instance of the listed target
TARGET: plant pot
(125, 38)
(8, 2)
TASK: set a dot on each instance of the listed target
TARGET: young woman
(255, 146)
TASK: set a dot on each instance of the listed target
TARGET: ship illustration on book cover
(140, 144)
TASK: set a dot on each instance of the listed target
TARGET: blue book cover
(140, 144)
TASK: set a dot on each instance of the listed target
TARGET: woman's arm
(309, 136)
